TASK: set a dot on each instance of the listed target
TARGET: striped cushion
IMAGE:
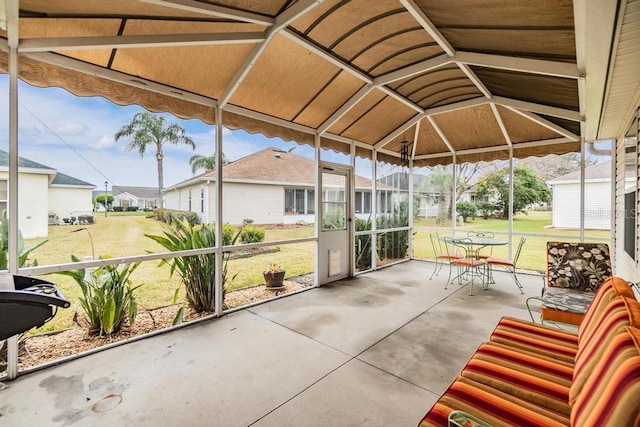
(536, 380)
(610, 289)
(536, 338)
(492, 406)
(611, 395)
(620, 313)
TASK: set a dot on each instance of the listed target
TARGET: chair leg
(515, 279)
(436, 269)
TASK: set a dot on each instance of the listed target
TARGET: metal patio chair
(508, 265)
(483, 234)
(442, 253)
(469, 265)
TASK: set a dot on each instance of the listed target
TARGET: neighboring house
(44, 192)
(427, 196)
(271, 186)
(597, 203)
(140, 197)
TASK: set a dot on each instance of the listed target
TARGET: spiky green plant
(196, 271)
(108, 298)
(23, 253)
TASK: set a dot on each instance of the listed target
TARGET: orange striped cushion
(537, 381)
(491, 406)
(611, 395)
(610, 289)
(529, 336)
(622, 312)
(622, 287)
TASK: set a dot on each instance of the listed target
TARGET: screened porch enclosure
(396, 88)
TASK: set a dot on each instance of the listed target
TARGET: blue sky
(75, 136)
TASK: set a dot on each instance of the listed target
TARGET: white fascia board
(138, 41)
(31, 170)
(90, 186)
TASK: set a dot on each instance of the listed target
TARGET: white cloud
(103, 142)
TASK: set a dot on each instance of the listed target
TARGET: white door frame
(335, 246)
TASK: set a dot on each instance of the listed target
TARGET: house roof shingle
(22, 162)
(271, 165)
(598, 171)
(139, 192)
(62, 179)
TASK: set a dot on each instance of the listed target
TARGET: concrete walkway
(374, 350)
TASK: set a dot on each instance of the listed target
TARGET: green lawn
(533, 252)
(123, 235)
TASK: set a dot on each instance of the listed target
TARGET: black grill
(32, 304)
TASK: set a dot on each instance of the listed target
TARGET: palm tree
(146, 129)
(208, 163)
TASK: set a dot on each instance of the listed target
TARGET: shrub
(486, 209)
(252, 234)
(117, 208)
(197, 271)
(466, 210)
(107, 296)
(363, 245)
(170, 215)
(133, 208)
(228, 232)
(247, 221)
(393, 244)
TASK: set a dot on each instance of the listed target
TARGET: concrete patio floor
(373, 350)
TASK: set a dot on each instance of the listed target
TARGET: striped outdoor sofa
(529, 374)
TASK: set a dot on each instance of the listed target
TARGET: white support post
(454, 184)
(318, 209)
(511, 187)
(613, 215)
(374, 208)
(352, 212)
(219, 291)
(582, 161)
(411, 205)
(12, 32)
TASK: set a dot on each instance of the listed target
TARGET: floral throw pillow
(582, 266)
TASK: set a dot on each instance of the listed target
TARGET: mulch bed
(38, 349)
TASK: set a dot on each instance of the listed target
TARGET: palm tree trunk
(159, 157)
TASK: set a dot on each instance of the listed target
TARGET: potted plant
(274, 275)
